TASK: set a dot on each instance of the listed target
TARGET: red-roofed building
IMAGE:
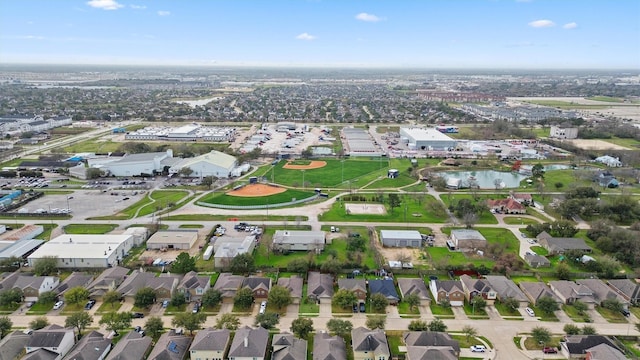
(507, 206)
(524, 199)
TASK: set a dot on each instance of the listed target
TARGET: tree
(478, 302)
(418, 325)
(469, 219)
(541, 335)
(537, 171)
(243, 298)
(116, 321)
(243, 264)
(558, 185)
(469, 332)
(437, 325)
(413, 300)
(344, 298)
(5, 326)
(39, 323)
(45, 266)
(376, 322)
(93, 173)
(571, 329)
(189, 320)
(588, 330)
(78, 320)
(76, 295)
(183, 263)
(299, 265)
(144, 297)
(280, 296)
(613, 304)
(10, 297)
(547, 304)
(301, 327)
(178, 299)
(267, 320)
(208, 181)
(154, 326)
(331, 266)
(185, 171)
(511, 303)
(580, 307)
(563, 272)
(228, 321)
(211, 298)
(47, 297)
(111, 297)
(339, 327)
(394, 201)
(378, 302)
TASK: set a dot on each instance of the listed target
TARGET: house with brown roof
(327, 347)
(108, 280)
(506, 288)
(92, 346)
(478, 287)
(164, 285)
(294, 284)
(193, 286)
(569, 292)
(249, 343)
(536, 261)
(357, 286)
(506, 206)
(416, 286)
(132, 346)
(447, 290)
(285, 346)
(260, 286)
(171, 346)
(427, 345)
(628, 289)
(601, 291)
(33, 286)
(560, 245)
(210, 343)
(228, 284)
(534, 291)
(319, 287)
(369, 344)
(76, 279)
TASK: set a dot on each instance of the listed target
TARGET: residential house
(260, 286)
(569, 292)
(109, 279)
(506, 206)
(575, 346)
(416, 286)
(327, 347)
(607, 180)
(561, 245)
(13, 345)
(534, 291)
(171, 346)
(385, 287)
(604, 352)
(76, 279)
(228, 284)
(48, 341)
(628, 289)
(369, 344)
(294, 284)
(424, 345)
(193, 286)
(319, 287)
(163, 285)
(449, 290)
(210, 344)
(609, 161)
(357, 286)
(506, 288)
(292, 240)
(7, 280)
(92, 346)
(33, 286)
(287, 347)
(468, 240)
(132, 346)
(522, 198)
(536, 261)
(477, 287)
(249, 344)
(601, 291)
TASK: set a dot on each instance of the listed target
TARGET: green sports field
(224, 199)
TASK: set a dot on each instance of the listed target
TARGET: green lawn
(158, 199)
(574, 315)
(191, 226)
(441, 257)
(48, 228)
(506, 311)
(440, 311)
(40, 308)
(403, 308)
(531, 344)
(89, 228)
(224, 199)
(474, 313)
(626, 142)
(611, 316)
(517, 220)
(8, 309)
(544, 316)
(307, 306)
(485, 217)
(606, 99)
(540, 250)
(105, 308)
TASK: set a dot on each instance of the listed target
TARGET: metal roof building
(427, 139)
(85, 251)
(20, 248)
(400, 238)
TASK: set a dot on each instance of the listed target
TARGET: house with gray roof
(132, 346)
(506, 288)
(447, 290)
(601, 291)
(569, 292)
(628, 289)
(416, 286)
(430, 353)
(92, 346)
(164, 285)
(50, 342)
(32, 286)
(171, 346)
(427, 345)
(536, 261)
(249, 344)
(357, 286)
(260, 286)
(401, 238)
(319, 287)
(575, 346)
(76, 279)
(327, 347)
(557, 245)
(478, 287)
(13, 345)
(294, 284)
(298, 240)
(109, 279)
(193, 285)
(468, 239)
(604, 352)
(285, 346)
(385, 287)
(537, 290)
(210, 343)
(228, 284)
(370, 344)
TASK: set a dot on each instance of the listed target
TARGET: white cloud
(138, 7)
(542, 23)
(305, 36)
(368, 17)
(570, 25)
(105, 4)
(164, 13)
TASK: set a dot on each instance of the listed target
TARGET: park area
(287, 195)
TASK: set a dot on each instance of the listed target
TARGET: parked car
(196, 308)
(89, 304)
(550, 350)
(363, 308)
(137, 315)
(355, 308)
(58, 305)
(478, 348)
(165, 304)
(263, 307)
(625, 312)
(29, 304)
(529, 311)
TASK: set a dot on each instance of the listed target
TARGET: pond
(486, 179)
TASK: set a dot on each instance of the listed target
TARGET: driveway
(325, 309)
(458, 311)
(493, 313)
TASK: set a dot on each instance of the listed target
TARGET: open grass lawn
(606, 99)
(441, 256)
(394, 338)
(8, 309)
(485, 217)
(493, 235)
(635, 310)
(335, 174)
(93, 145)
(105, 308)
(531, 344)
(69, 309)
(403, 308)
(335, 309)
(224, 199)
(416, 212)
(566, 176)
(40, 308)
(191, 226)
(402, 180)
(441, 311)
(46, 235)
(307, 306)
(518, 220)
(506, 311)
(158, 199)
(629, 143)
(544, 316)
(540, 250)
(171, 310)
(475, 314)
(89, 228)
(631, 345)
(611, 316)
(574, 315)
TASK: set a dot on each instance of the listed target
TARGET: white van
(263, 307)
(333, 229)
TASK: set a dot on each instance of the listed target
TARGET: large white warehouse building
(85, 251)
(215, 163)
(426, 139)
(135, 164)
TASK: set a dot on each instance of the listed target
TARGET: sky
(449, 34)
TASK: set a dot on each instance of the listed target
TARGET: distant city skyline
(490, 34)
